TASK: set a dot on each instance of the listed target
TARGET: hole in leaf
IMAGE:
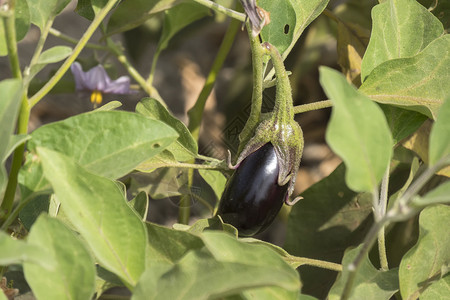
(286, 29)
(156, 145)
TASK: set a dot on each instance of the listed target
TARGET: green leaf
(31, 211)
(369, 283)
(439, 136)
(31, 178)
(441, 194)
(215, 179)
(422, 264)
(89, 8)
(214, 223)
(17, 251)
(357, 132)
(402, 122)
(401, 28)
(9, 108)
(167, 245)
(15, 141)
(438, 290)
(140, 204)
(185, 147)
(22, 25)
(288, 20)
(45, 10)
(177, 18)
(107, 143)
(273, 293)
(201, 275)
(132, 13)
(329, 219)
(73, 273)
(97, 208)
(54, 54)
(417, 83)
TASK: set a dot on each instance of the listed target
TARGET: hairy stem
(314, 262)
(75, 52)
(222, 9)
(312, 106)
(382, 212)
(257, 93)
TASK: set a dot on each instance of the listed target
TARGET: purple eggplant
(252, 198)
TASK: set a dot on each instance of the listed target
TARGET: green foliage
(72, 275)
(98, 210)
(77, 223)
(370, 283)
(365, 143)
(417, 270)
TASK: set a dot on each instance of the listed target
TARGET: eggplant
(252, 197)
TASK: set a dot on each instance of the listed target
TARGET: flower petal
(97, 79)
(119, 86)
(79, 76)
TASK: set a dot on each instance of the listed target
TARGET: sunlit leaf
(97, 208)
(107, 143)
(417, 83)
(185, 147)
(73, 273)
(357, 132)
(420, 266)
(401, 28)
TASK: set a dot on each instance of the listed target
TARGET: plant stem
(71, 40)
(222, 9)
(11, 43)
(312, 106)
(22, 128)
(75, 52)
(382, 212)
(257, 92)
(196, 112)
(314, 262)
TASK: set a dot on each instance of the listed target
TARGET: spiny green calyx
(280, 128)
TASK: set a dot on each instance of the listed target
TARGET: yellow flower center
(96, 97)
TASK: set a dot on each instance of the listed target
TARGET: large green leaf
(439, 136)
(167, 245)
(45, 10)
(132, 13)
(401, 28)
(357, 132)
(107, 143)
(423, 263)
(73, 273)
(288, 20)
(185, 147)
(369, 283)
(9, 108)
(418, 83)
(438, 290)
(227, 271)
(329, 219)
(97, 208)
(17, 251)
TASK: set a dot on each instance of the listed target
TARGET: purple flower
(97, 81)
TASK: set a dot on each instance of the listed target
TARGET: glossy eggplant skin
(252, 197)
